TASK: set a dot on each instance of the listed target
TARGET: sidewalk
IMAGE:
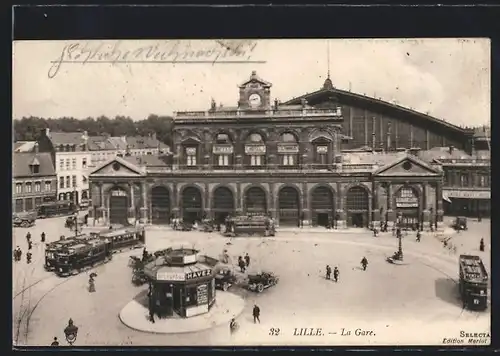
(227, 306)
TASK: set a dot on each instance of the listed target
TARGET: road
(393, 301)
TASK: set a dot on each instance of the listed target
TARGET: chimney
(451, 149)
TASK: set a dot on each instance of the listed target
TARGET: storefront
(180, 284)
(471, 203)
(407, 208)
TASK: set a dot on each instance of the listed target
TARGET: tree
(29, 128)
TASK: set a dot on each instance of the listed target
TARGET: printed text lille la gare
(170, 52)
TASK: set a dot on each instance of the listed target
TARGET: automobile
(260, 281)
(23, 219)
(224, 278)
(460, 223)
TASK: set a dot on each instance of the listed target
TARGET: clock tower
(255, 93)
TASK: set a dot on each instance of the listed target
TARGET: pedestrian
(328, 271)
(481, 245)
(28, 258)
(256, 314)
(233, 326)
(151, 310)
(247, 260)
(43, 237)
(144, 255)
(419, 235)
(55, 342)
(336, 274)
(91, 284)
(364, 263)
(28, 236)
(375, 232)
(86, 219)
(30, 244)
(241, 264)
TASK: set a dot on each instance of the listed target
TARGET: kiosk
(180, 282)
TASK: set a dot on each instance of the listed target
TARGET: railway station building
(326, 156)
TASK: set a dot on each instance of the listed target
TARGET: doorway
(322, 219)
(357, 220)
(191, 216)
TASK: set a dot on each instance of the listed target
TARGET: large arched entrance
(160, 205)
(118, 206)
(192, 209)
(289, 206)
(407, 207)
(322, 206)
(357, 206)
(223, 204)
(255, 201)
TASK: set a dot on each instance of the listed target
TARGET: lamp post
(400, 236)
(71, 332)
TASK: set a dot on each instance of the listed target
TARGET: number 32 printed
(274, 331)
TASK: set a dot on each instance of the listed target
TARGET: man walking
(43, 237)
(364, 263)
(247, 260)
(256, 314)
(55, 342)
(336, 274)
(328, 271)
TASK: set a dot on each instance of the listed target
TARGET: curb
(237, 315)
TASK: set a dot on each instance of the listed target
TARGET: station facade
(294, 161)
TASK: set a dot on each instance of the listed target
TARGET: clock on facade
(254, 100)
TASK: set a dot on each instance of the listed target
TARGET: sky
(446, 78)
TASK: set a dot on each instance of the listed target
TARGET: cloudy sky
(448, 78)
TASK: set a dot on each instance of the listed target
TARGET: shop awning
(446, 197)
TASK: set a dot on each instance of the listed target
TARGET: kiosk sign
(170, 276)
(198, 274)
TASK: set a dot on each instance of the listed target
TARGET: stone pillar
(375, 205)
(341, 222)
(131, 209)
(207, 205)
(271, 205)
(425, 207)
(102, 210)
(370, 210)
(239, 206)
(305, 206)
(391, 213)
(177, 156)
(175, 201)
(144, 207)
(439, 203)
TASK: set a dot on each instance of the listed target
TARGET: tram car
(75, 258)
(473, 284)
(252, 225)
(51, 250)
(57, 208)
(125, 238)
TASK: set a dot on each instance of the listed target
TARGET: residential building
(71, 158)
(34, 180)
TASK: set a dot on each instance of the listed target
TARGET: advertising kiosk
(180, 283)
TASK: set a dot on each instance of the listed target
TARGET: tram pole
(76, 212)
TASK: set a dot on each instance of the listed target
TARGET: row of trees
(29, 128)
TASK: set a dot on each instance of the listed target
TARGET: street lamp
(399, 254)
(71, 332)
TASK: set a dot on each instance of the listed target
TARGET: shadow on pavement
(142, 298)
(447, 290)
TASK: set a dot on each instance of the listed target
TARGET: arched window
(223, 151)
(288, 150)
(255, 150)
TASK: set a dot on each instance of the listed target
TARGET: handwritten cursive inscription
(220, 51)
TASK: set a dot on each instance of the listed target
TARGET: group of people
(336, 272)
(18, 253)
(244, 262)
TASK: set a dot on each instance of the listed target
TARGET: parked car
(23, 219)
(259, 282)
(460, 223)
(224, 278)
